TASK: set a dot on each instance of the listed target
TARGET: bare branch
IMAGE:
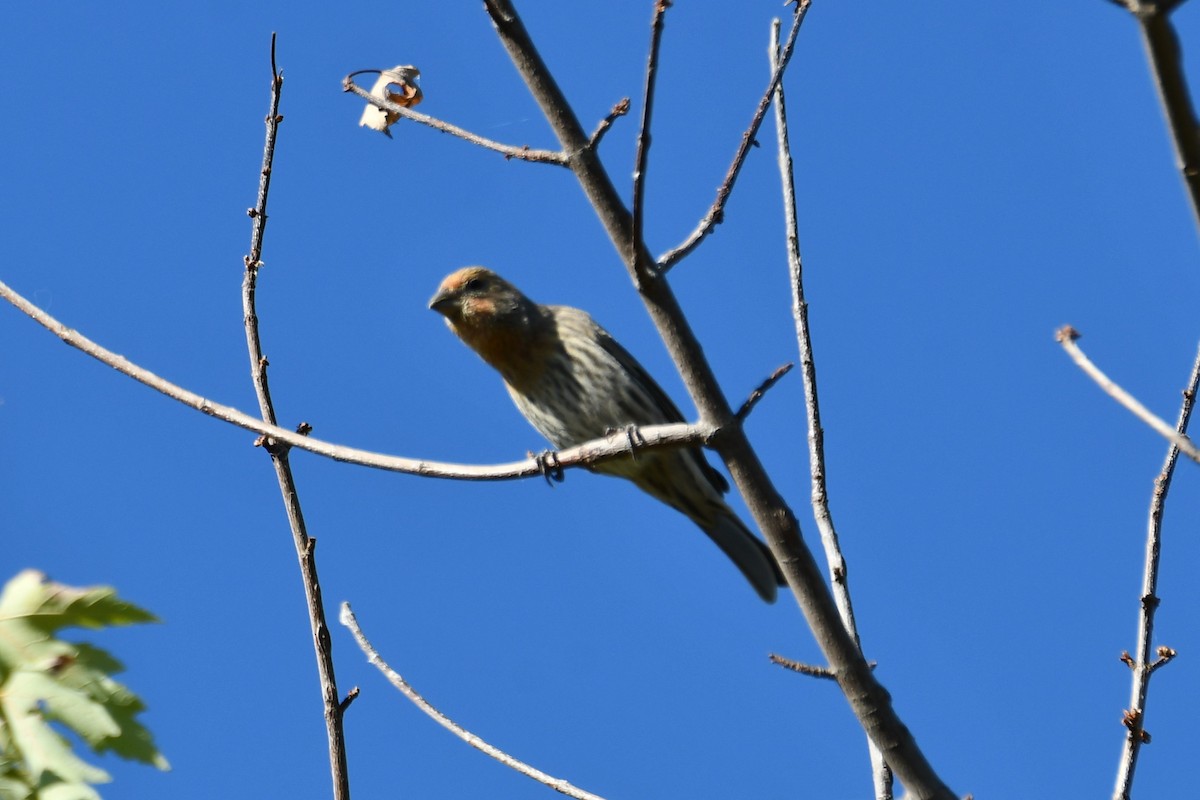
(557, 784)
(258, 217)
(585, 454)
(1165, 656)
(716, 214)
(867, 697)
(804, 669)
(305, 546)
(1066, 336)
(881, 773)
(761, 390)
(810, 670)
(350, 697)
(636, 240)
(1141, 666)
(619, 110)
(522, 153)
(1166, 67)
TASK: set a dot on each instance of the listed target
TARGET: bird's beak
(443, 301)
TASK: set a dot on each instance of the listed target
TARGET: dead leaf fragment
(398, 85)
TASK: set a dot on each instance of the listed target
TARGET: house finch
(573, 382)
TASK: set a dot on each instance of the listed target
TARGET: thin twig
(1141, 667)
(520, 152)
(1165, 656)
(350, 697)
(305, 545)
(804, 669)
(1166, 67)
(557, 784)
(637, 244)
(761, 390)
(839, 578)
(1066, 336)
(619, 110)
(716, 213)
(811, 670)
(867, 697)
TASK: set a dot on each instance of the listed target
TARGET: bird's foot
(632, 435)
(551, 469)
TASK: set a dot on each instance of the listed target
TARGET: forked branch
(716, 213)
(867, 697)
(1141, 666)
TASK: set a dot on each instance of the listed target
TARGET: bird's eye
(475, 284)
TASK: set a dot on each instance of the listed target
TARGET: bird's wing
(669, 410)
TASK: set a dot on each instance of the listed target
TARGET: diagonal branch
(1141, 666)
(839, 578)
(716, 213)
(405, 688)
(1066, 337)
(1166, 67)
(519, 152)
(868, 698)
(761, 390)
(619, 110)
(305, 546)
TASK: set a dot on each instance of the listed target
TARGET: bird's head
(488, 313)
(478, 297)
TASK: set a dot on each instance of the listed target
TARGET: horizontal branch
(406, 689)
(605, 448)
(811, 670)
(804, 669)
(519, 152)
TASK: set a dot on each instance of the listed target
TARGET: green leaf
(45, 752)
(44, 680)
(49, 606)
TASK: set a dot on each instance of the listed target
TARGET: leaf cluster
(48, 683)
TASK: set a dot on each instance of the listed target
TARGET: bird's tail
(684, 481)
(747, 551)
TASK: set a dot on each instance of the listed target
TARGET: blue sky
(970, 177)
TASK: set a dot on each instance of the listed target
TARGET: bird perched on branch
(574, 382)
